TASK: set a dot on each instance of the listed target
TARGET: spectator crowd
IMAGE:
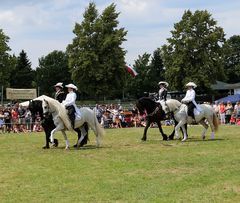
(228, 113)
(17, 119)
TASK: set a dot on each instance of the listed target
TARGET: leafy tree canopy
(194, 52)
(232, 59)
(7, 61)
(22, 74)
(52, 68)
(150, 71)
(96, 57)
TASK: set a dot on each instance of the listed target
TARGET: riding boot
(72, 119)
(71, 114)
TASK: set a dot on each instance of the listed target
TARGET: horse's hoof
(143, 139)
(46, 147)
(56, 142)
(203, 137)
(184, 139)
(67, 148)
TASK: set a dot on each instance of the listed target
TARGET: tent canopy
(232, 98)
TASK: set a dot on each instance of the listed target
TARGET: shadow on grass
(171, 143)
(206, 140)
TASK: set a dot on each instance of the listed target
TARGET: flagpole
(2, 96)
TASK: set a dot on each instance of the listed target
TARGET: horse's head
(45, 107)
(31, 106)
(35, 106)
(146, 103)
(140, 107)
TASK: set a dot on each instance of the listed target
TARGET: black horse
(35, 106)
(154, 114)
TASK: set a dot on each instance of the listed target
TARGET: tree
(150, 71)
(22, 74)
(140, 84)
(232, 59)
(194, 52)
(7, 61)
(96, 58)
(157, 71)
(52, 68)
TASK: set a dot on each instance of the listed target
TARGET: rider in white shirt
(70, 104)
(189, 99)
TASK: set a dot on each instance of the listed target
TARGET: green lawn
(124, 169)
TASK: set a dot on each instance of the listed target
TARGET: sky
(41, 26)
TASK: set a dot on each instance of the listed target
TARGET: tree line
(95, 60)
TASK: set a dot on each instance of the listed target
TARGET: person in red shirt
(14, 116)
(222, 110)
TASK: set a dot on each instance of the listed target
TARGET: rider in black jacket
(60, 94)
(162, 94)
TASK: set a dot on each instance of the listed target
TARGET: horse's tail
(215, 121)
(98, 127)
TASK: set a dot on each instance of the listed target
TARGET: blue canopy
(232, 98)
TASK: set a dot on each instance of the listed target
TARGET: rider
(59, 94)
(70, 104)
(162, 91)
(189, 99)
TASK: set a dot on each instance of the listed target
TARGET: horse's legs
(52, 136)
(165, 137)
(85, 129)
(84, 132)
(205, 125)
(144, 138)
(47, 135)
(177, 128)
(58, 128)
(80, 141)
(212, 128)
(184, 133)
(66, 139)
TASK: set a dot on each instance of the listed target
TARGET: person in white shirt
(189, 98)
(70, 102)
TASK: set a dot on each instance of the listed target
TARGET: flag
(131, 70)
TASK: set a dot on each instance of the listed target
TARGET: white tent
(26, 103)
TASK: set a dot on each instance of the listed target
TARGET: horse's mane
(142, 99)
(173, 104)
(62, 112)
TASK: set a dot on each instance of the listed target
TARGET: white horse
(63, 123)
(180, 114)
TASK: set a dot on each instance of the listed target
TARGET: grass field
(124, 169)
